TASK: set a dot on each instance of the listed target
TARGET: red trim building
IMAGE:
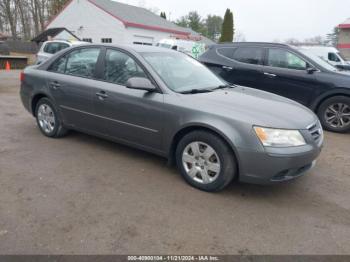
(109, 21)
(344, 39)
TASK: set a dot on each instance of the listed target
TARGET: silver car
(169, 104)
(49, 48)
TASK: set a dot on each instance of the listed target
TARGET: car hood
(257, 108)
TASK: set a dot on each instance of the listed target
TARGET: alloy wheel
(337, 115)
(46, 118)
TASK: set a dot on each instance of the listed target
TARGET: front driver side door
(286, 74)
(132, 116)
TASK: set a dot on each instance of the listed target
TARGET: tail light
(21, 76)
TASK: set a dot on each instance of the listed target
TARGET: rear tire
(205, 161)
(48, 119)
(334, 114)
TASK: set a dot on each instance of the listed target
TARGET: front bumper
(275, 165)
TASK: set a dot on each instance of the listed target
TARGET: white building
(106, 21)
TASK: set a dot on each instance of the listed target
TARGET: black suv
(286, 71)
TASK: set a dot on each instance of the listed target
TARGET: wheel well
(327, 97)
(179, 135)
(35, 101)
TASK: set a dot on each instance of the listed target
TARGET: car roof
(262, 44)
(139, 48)
(72, 42)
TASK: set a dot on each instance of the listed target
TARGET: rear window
(249, 55)
(53, 48)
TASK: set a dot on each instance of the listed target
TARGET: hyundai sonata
(169, 104)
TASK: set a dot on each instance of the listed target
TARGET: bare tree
(22, 7)
(8, 9)
(39, 14)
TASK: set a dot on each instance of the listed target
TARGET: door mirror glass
(140, 83)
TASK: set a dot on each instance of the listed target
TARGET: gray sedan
(169, 104)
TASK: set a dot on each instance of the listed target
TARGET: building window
(106, 40)
(89, 40)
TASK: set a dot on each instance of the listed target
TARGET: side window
(333, 57)
(82, 62)
(119, 68)
(59, 66)
(249, 55)
(284, 59)
(227, 52)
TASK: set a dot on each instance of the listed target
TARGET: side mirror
(140, 83)
(311, 70)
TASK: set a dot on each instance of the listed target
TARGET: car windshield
(182, 73)
(318, 60)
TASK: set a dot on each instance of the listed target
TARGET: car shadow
(235, 189)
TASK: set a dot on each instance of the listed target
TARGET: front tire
(205, 161)
(334, 114)
(48, 119)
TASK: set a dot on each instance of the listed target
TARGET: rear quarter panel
(34, 84)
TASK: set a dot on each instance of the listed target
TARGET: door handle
(227, 68)
(102, 95)
(55, 85)
(270, 75)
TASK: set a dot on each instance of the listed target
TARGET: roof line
(156, 28)
(343, 46)
(131, 24)
(344, 26)
(126, 23)
(116, 17)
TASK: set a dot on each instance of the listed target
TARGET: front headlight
(271, 137)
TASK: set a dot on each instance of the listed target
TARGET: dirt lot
(83, 195)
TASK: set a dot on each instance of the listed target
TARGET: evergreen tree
(163, 15)
(227, 31)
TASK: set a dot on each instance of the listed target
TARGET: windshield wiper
(196, 91)
(223, 87)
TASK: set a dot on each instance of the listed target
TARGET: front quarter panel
(180, 116)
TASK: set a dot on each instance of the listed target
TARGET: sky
(263, 20)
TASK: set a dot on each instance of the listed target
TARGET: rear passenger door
(71, 81)
(243, 65)
(129, 115)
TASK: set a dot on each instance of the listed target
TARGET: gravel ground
(84, 195)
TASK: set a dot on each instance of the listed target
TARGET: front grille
(316, 131)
